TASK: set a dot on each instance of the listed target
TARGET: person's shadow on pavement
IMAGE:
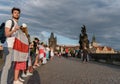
(34, 79)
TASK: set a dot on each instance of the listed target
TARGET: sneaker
(22, 80)
(29, 74)
(17, 82)
(24, 75)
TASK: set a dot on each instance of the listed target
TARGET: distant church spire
(52, 41)
(52, 35)
(94, 43)
(93, 38)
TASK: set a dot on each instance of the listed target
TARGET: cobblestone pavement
(73, 71)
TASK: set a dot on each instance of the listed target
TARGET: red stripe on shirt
(41, 51)
(20, 46)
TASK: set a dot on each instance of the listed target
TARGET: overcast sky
(65, 18)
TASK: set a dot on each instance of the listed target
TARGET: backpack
(2, 31)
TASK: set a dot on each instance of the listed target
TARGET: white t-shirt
(47, 50)
(10, 40)
(52, 53)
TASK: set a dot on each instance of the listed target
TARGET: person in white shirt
(51, 53)
(8, 45)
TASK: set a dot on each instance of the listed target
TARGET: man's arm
(8, 24)
(8, 33)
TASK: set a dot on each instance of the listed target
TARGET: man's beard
(16, 18)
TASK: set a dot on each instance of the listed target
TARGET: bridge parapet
(109, 58)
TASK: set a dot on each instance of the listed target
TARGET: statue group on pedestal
(84, 42)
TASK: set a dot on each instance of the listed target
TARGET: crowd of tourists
(76, 52)
(39, 54)
(21, 56)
